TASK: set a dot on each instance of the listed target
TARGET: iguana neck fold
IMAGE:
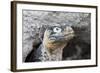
(46, 54)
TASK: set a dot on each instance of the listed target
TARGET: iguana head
(57, 36)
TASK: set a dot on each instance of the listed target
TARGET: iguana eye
(57, 29)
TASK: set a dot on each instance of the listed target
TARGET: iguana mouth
(60, 37)
(55, 38)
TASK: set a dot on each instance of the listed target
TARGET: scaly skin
(55, 39)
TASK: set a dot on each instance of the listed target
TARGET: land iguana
(54, 40)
